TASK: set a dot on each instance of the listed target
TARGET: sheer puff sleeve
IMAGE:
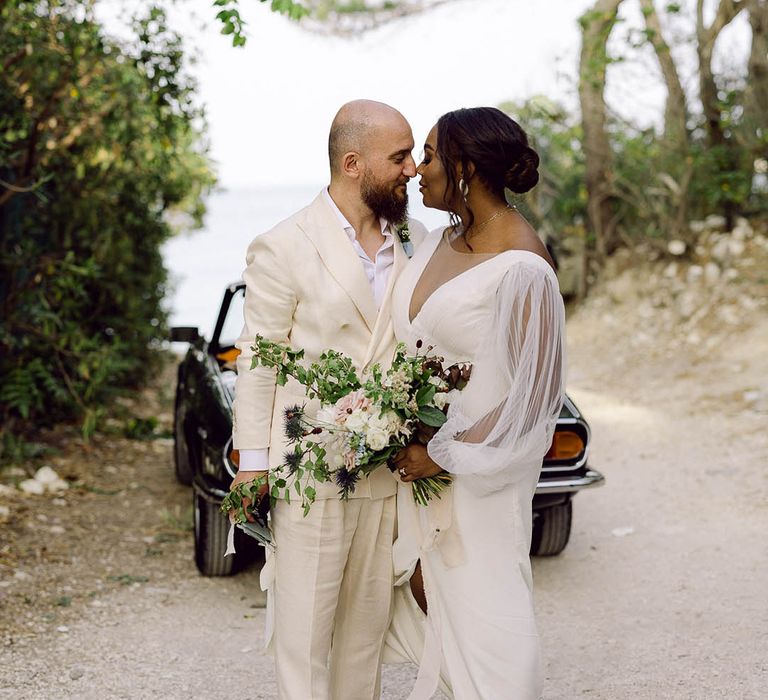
(500, 426)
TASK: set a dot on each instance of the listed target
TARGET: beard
(383, 200)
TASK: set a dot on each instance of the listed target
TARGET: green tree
(98, 140)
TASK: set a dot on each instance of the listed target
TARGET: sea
(202, 262)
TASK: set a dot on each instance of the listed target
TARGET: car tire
(211, 530)
(551, 530)
(181, 457)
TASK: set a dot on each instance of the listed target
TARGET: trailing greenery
(98, 140)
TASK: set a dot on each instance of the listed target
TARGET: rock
(6, 490)
(736, 247)
(730, 274)
(721, 250)
(742, 230)
(694, 273)
(59, 502)
(76, 673)
(56, 530)
(621, 288)
(728, 315)
(20, 575)
(57, 486)
(49, 480)
(749, 303)
(5, 511)
(697, 226)
(686, 304)
(711, 272)
(623, 531)
(32, 486)
(46, 475)
(715, 222)
(670, 271)
(676, 247)
(62, 628)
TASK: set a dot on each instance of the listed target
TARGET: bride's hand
(413, 462)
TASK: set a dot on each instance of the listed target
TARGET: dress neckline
(489, 257)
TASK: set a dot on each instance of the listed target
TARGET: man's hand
(246, 477)
(413, 462)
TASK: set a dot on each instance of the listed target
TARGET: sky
(269, 105)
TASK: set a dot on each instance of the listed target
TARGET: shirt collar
(346, 225)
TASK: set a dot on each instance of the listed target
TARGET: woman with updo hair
(483, 291)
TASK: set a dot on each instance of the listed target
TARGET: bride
(482, 290)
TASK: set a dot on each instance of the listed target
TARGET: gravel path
(661, 592)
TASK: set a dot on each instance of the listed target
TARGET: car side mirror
(184, 334)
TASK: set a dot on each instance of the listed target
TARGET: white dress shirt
(378, 272)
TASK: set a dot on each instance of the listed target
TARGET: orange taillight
(565, 445)
(228, 355)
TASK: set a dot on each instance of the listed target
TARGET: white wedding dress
(504, 314)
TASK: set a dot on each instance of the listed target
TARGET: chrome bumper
(571, 484)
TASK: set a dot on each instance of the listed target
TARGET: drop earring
(464, 189)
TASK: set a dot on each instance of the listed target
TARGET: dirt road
(661, 592)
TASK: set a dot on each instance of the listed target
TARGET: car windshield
(233, 323)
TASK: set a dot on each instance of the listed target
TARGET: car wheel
(181, 458)
(211, 529)
(551, 530)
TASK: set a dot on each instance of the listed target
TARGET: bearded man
(323, 279)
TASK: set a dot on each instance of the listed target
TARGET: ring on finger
(402, 471)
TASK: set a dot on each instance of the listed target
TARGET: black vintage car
(204, 457)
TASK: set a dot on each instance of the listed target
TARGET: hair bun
(524, 174)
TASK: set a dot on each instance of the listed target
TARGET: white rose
(379, 422)
(376, 439)
(357, 421)
(441, 398)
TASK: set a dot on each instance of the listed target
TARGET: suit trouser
(333, 597)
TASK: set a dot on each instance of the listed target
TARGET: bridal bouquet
(361, 423)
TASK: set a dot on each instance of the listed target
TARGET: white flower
(336, 460)
(357, 421)
(394, 422)
(436, 381)
(389, 422)
(441, 398)
(376, 439)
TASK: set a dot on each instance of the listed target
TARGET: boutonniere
(405, 238)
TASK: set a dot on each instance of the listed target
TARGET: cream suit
(330, 581)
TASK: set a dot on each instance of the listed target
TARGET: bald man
(323, 279)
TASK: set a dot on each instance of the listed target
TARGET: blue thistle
(346, 481)
(292, 460)
(294, 422)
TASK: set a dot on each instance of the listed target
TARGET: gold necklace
(475, 228)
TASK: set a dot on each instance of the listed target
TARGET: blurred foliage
(98, 141)
(656, 182)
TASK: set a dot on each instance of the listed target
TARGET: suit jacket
(305, 286)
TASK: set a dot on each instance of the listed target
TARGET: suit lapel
(384, 319)
(325, 233)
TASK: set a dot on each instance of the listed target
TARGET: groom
(323, 279)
